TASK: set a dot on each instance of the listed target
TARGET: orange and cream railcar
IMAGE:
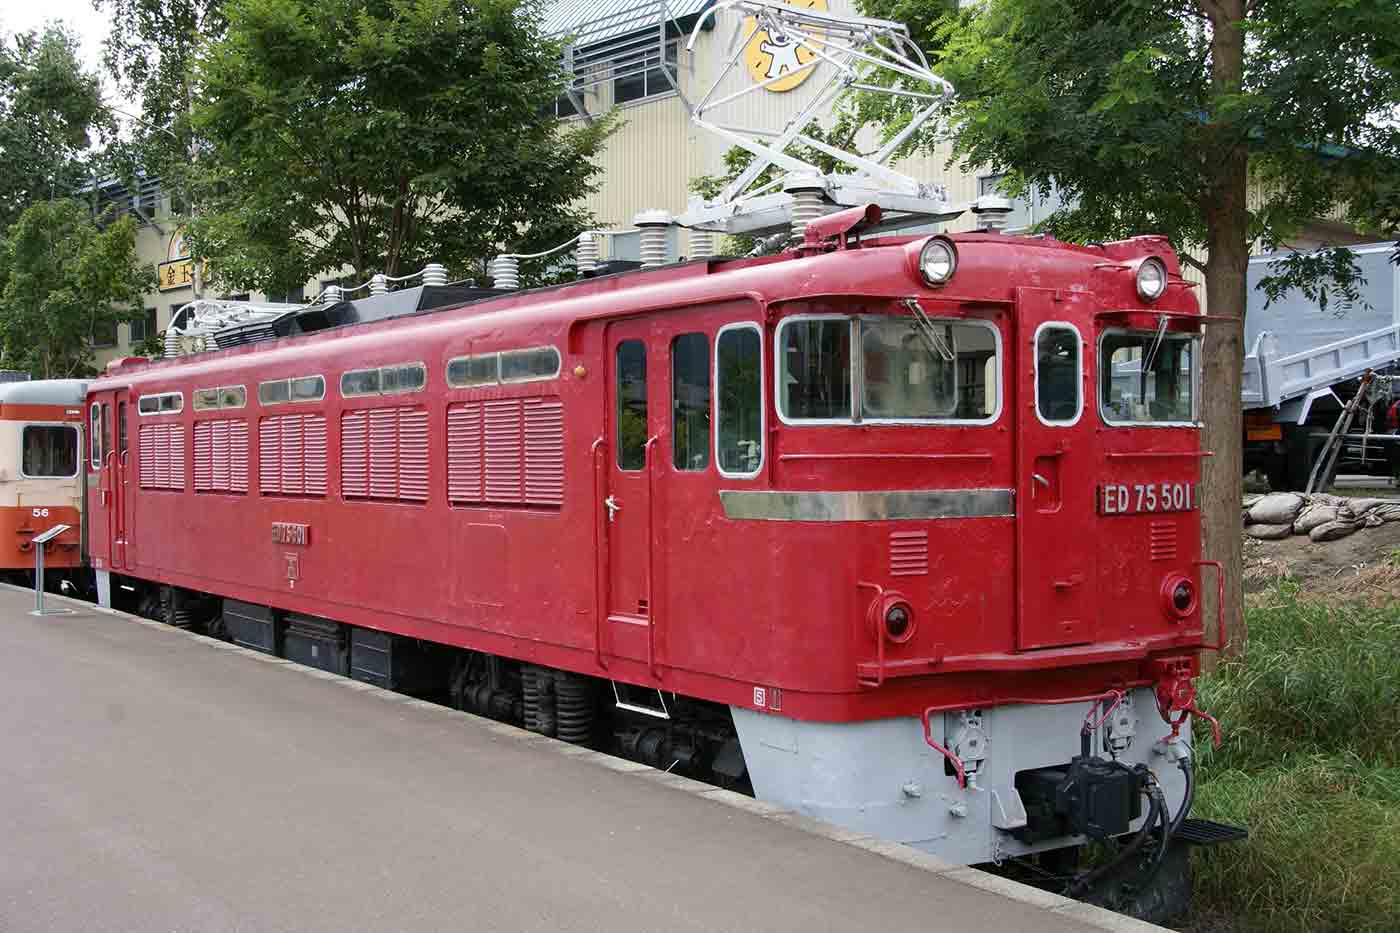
(41, 479)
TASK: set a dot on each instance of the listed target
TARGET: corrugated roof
(593, 21)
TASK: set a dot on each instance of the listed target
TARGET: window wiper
(930, 333)
(1151, 359)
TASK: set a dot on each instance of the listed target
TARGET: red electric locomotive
(902, 531)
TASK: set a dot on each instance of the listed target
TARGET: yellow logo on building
(780, 57)
(178, 269)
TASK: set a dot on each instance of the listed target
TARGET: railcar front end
(40, 481)
(981, 520)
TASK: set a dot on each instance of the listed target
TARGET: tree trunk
(1227, 219)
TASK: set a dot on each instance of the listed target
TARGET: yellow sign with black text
(779, 60)
(176, 273)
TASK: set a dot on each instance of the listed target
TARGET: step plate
(1209, 833)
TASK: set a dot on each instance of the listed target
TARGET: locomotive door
(121, 480)
(1055, 519)
(631, 447)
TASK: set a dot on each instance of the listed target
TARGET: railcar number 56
(1120, 499)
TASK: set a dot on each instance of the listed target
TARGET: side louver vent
(292, 455)
(384, 454)
(162, 452)
(908, 553)
(221, 456)
(506, 452)
(1161, 540)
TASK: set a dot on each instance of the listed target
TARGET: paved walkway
(150, 781)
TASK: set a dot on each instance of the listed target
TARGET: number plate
(1150, 498)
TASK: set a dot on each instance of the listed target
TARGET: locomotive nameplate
(1147, 498)
(288, 533)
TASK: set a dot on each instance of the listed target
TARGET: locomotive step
(1199, 832)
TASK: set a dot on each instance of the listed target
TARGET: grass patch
(1311, 764)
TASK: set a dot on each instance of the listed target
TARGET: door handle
(1037, 478)
(1074, 580)
(613, 507)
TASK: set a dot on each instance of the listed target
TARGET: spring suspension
(174, 608)
(576, 702)
(541, 707)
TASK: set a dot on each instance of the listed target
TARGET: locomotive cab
(995, 478)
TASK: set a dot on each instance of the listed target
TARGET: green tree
(61, 279)
(1219, 123)
(151, 53)
(382, 135)
(50, 113)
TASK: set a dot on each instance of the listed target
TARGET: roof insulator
(332, 295)
(702, 244)
(586, 255)
(992, 211)
(435, 273)
(808, 201)
(505, 271)
(655, 248)
(378, 285)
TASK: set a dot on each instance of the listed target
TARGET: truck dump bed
(1294, 349)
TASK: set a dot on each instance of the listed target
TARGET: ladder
(1327, 457)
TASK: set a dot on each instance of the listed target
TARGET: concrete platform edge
(1088, 914)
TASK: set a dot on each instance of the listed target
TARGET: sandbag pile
(1320, 516)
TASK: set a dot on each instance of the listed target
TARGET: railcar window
(1147, 379)
(167, 403)
(909, 370)
(275, 392)
(814, 377)
(385, 380)
(1057, 373)
(95, 436)
(525, 365)
(631, 405)
(308, 389)
(690, 402)
(473, 371)
(739, 390)
(121, 428)
(50, 450)
(360, 382)
(221, 397)
(298, 389)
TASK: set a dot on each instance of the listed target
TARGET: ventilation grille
(384, 454)
(221, 456)
(908, 553)
(1161, 540)
(506, 452)
(162, 452)
(292, 455)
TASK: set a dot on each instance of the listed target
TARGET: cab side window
(1058, 364)
(690, 402)
(739, 400)
(631, 405)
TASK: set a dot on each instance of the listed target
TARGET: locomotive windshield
(1148, 378)
(886, 369)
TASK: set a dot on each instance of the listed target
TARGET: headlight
(938, 260)
(1179, 595)
(1151, 279)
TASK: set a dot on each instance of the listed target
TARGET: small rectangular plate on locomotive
(1149, 498)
